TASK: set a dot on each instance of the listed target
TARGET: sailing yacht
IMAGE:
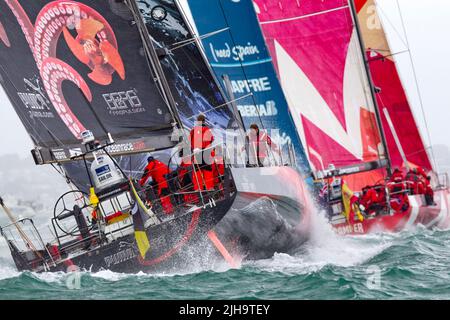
(352, 113)
(101, 85)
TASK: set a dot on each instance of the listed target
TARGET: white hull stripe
(441, 216)
(414, 212)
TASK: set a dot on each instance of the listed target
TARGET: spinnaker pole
(373, 93)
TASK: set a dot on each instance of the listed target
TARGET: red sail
(392, 95)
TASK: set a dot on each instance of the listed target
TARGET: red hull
(431, 217)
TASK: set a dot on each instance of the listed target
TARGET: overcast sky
(427, 24)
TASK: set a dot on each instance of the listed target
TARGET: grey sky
(427, 24)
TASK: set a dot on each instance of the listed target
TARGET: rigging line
(205, 76)
(147, 43)
(387, 56)
(386, 17)
(94, 113)
(241, 63)
(194, 39)
(224, 104)
(62, 173)
(69, 181)
(305, 16)
(365, 84)
(417, 85)
(371, 86)
(412, 153)
(200, 48)
(364, 81)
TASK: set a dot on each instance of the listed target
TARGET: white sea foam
(7, 272)
(325, 247)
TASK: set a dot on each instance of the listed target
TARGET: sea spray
(326, 248)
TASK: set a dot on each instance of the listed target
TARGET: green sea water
(409, 265)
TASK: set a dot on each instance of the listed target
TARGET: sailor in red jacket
(422, 184)
(415, 177)
(397, 188)
(429, 192)
(259, 143)
(368, 200)
(201, 136)
(201, 140)
(396, 182)
(157, 170)
(397, 176)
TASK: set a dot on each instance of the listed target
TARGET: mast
(154, 61)
(373, 93)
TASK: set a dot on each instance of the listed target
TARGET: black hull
(258, 227)
(252, 225)
(271, 214)
(255, 221)
(174, 246)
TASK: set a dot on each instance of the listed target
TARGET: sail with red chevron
(350, 108)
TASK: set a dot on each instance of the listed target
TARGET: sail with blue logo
(235, 47)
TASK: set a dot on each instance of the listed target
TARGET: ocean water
(408, 265)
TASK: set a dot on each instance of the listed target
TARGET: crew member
(429, 193)
(369, 201)
(157, 170)
(422, 173)
(185, 178)
(258, 143)
(397, 176)
(415, 180)
(201, 140)
(396, 183)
